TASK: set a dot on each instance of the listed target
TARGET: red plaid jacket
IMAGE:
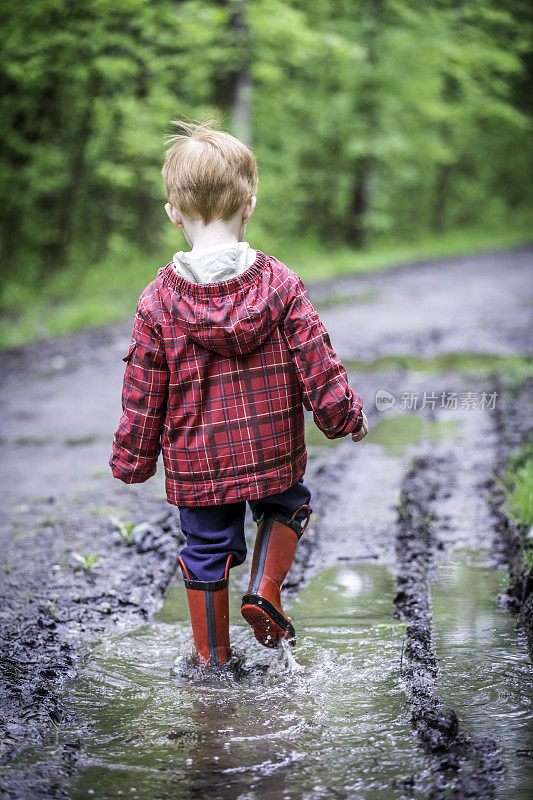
(216, 376)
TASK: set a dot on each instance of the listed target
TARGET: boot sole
(268, 624)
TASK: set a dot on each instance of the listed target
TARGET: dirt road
(443, 346)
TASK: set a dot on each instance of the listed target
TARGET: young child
(226, 351)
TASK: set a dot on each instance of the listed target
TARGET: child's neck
(218, 232)
(215, 233)
(200, 244)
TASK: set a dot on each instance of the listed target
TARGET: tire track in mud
(465, 766)
(445, 504)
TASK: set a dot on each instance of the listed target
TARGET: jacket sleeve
(323, 381)
(137, 442)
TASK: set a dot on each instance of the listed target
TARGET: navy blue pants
(215, 531)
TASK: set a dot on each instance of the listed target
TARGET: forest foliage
(372, 120)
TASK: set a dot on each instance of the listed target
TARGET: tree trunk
(440, 205)
(232, 89)
(360, 202)
(356, 229)
(71, 200)
(242, 117)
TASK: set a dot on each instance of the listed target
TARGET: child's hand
(362, 432)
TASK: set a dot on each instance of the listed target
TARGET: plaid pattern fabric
(217, 376)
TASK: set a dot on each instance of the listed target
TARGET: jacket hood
(232, 317)
(215, 263)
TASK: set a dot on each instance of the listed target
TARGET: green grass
(514, 369)
(314, 263)
(91, 295)
(517, 487)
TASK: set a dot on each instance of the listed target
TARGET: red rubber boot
(275, 545)
(209, 610)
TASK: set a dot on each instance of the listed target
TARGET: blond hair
(208, 173)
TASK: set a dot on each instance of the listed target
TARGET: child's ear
(174, 215)
(248, 209)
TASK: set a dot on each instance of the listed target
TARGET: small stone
(58, 362)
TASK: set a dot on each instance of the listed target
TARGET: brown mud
(407, 497)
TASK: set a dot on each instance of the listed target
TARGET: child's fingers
(362, 432)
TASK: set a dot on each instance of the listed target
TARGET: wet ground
(409, 679)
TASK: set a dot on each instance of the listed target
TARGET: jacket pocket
(133, 345)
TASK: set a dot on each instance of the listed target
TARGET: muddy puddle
(395, 434)
(485, 671)
(325, 720)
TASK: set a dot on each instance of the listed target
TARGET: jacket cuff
(354, 420)
(126, 474)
